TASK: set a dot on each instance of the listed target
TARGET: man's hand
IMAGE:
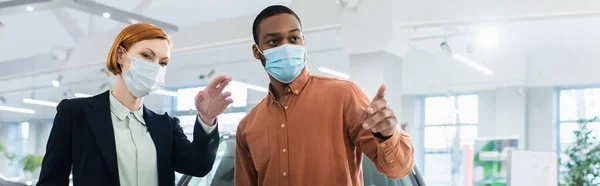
(380, 118)
(212, 101)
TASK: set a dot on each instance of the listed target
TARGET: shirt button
(289, 90)
(285, 107)
(382, 145)
(284, 173)
(282, 125)
(283, 150)
(296, 91)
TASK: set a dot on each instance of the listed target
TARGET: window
(450, 124)
(227, 122)
(185, 101)
(575, 104)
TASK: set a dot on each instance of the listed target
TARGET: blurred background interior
(469, 78)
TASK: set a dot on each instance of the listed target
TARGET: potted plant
(582, 167)
(31, 163)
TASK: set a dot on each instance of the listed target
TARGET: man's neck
(278, 89)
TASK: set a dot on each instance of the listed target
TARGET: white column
(542, 117)
(502, 113)
(375, 45)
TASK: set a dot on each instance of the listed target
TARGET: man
(312, 130)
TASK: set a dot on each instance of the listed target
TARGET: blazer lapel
(157, 132)
(99, 118)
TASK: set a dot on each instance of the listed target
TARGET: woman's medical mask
(285, 62)
(143, 77)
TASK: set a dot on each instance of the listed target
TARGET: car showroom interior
(475, 93)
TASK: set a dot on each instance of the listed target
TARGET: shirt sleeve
(207, 129)
(393, 157)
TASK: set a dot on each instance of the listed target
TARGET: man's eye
(295, 39)
(272, 42)
(163, 64)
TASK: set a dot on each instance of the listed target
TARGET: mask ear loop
(123, 49)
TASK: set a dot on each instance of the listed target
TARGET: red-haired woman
(113, 139)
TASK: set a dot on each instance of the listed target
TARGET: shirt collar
(119, 110)
(296, 86)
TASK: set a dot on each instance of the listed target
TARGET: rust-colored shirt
(315, 139)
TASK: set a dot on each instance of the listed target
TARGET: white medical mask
(143, 77)
(285, 62)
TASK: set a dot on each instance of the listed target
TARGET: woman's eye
(146, 56)
(163, 64)
(294, 39)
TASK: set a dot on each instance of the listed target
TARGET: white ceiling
(34, 33)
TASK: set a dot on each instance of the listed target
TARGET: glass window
(445, 118)
(185, 101)
(575, 104)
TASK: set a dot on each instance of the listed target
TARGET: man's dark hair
(270, 12)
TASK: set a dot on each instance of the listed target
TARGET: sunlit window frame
(456, 124)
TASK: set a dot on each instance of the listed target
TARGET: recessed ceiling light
(29, 8)
(333, 72)
(82, 95)
(56, 82)
(106, 15)
(40, 102)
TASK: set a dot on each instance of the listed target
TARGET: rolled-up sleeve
(393, 157)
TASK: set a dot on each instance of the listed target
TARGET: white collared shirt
(136, 153)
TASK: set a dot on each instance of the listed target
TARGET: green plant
(1, 148)
(31, 162)
(582, 167)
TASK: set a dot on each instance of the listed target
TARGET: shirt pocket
(258, 144)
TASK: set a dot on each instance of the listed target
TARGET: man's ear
(256, 52)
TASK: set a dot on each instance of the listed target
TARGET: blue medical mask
(285, 62)
(143, 77)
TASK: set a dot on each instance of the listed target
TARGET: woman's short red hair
(128, 37)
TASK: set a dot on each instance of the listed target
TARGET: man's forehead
(279, 23)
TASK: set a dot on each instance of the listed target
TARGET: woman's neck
(123, 95)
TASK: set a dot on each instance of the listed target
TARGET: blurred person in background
(312, 130)
(113, 139)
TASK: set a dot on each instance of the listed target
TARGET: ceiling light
(250, 86)
(40, 102)
(29, 8)
(333, 72)
(106, 15)
(56, 82)
(473, 64)
(82, 95)
(16, 109)
(448, 51)
(167, 92)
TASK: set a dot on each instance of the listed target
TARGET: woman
(112, 139)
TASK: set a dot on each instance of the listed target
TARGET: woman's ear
(120, 56)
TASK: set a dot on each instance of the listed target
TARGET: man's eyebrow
(278, 34)
(271, 34)
(294, 30)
